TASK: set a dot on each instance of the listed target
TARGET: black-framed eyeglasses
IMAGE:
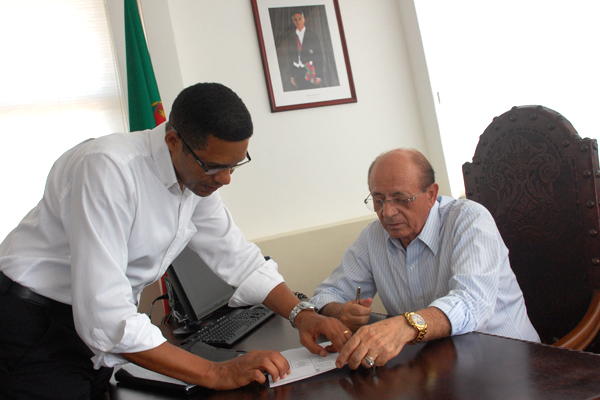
(211, 170)
(377, 204)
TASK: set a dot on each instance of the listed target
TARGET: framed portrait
(304, 53)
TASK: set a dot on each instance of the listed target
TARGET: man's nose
(223, 176)
(388, 209)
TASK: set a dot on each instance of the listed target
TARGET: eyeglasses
(377, 204)
(211, 170)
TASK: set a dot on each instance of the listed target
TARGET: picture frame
(313, 72)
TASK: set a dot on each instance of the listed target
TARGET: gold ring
(345, 332)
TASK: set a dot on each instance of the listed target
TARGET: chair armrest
(583, 334)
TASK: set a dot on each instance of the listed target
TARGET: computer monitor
(199, 290)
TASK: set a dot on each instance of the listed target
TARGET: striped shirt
(458, 263)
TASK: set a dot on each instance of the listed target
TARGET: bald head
(406, 158)
(403, 192)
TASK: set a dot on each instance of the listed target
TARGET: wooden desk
(472, 366)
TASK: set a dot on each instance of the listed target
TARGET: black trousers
(299, 75)
(42, 357)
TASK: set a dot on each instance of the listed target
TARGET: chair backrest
(540, 179)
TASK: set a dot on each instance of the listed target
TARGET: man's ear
(172, 140)
(432, 193)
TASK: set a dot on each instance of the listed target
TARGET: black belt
(10, 287)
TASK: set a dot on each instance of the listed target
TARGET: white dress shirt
(112, 219)
(458, 263)
(301, 34)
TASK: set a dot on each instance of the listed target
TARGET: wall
(308, 166)
(308, 169)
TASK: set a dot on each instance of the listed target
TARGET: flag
(145, 107)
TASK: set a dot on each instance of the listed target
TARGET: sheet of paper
(304, 364)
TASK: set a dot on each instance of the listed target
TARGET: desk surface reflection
(472, 366)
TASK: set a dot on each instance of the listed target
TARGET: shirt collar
(162, 156)
(430, 234)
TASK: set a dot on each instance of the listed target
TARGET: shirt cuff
(321, 300)
(456, 313)
(139, 335)
(255, 288)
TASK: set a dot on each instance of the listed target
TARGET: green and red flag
(145, 107)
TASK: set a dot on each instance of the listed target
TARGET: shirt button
(412, 267)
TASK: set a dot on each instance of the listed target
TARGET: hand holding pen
(355, 313)
(362, 302)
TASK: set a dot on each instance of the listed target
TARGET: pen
(358, 294)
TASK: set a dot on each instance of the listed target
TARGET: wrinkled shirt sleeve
(475, 258)
(104, 305)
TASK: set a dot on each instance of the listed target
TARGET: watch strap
(421, 329)
(303, 305)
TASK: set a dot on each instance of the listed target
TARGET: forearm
(281, 300)
(175, 362)
(240, 371)
(438, 324)
(332, 310)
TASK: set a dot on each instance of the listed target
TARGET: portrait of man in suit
(304, 49)
(306, 55)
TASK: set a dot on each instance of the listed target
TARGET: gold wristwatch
(417, 322)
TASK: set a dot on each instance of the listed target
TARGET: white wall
(491, 57)
(308, 166)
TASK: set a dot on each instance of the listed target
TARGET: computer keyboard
(230, 328)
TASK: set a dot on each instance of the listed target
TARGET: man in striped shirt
(439, 265)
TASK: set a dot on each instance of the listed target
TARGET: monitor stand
(187, 329)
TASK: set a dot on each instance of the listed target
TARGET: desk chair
(540, 181)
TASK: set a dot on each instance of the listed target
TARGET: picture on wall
(304, 53)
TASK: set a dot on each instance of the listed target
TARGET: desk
(472, 366)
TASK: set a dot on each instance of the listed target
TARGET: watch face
(306, 305)
(417, 319)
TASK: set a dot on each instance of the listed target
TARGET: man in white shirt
(439, 265)
(115, 212)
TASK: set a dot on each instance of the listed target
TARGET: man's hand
(311, 325)
(381, 341)
(248, 368)
(353, 314)
(173, 361)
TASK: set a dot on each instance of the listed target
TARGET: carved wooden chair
(540, 180)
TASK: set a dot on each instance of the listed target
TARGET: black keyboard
(230, 328)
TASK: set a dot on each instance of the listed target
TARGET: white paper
(304, 364)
